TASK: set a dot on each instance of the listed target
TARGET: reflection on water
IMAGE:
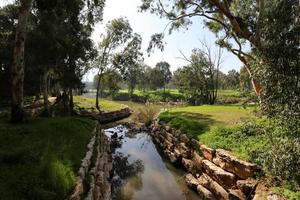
(140, 172)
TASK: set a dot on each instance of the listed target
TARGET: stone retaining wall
(94, 172)
(213, 173)
(107, 117)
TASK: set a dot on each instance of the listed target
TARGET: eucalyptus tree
(118, 32)
(83, 12)
(164, 75)
(233, 22)
(130, 62)
(17, 67)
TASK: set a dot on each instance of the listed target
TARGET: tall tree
(163, 75)
(118, 31)
(130, 62)
(234, 22)
(17, 68)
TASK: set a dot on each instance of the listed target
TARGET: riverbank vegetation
(40, 159)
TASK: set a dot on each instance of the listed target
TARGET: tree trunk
(45, 94)
(71, 102)
(98, 91)
(17, 68)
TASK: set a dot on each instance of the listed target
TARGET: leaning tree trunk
(71, 102)
(45, 94)
(17, 68)
(98, 91)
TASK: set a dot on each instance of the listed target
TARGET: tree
(199, 79)
(234, 22)
(163, 75)
(118, 31)
(280, 72)
(245, 80)
(17, 68)
(232, 79)
(130, 62)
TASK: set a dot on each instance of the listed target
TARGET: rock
(170, 137)
(188, 164)
(194, 144)
(261, 192)
(173, 158)
(197, 161)
(247, 186)
(183, 138)
(232, 164)
(218, 191)
(204, 193)
(225, 179)
(184, 151)
(207, 152)
(191, 181)
(168, 145)
(236, 195)
(168, 128)
(274, 196)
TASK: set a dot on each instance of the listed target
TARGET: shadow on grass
(193, 124)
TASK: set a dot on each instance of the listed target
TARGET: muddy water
(140, 170)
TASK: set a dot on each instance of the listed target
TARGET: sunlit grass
(89, 103)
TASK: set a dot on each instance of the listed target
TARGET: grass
(196, 120)
(89, 104)
(40, 159)
(215, 126)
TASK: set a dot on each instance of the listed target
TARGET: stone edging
(98, 171)
(213, 173)
(107, 117)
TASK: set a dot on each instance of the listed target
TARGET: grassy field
(216, 126)
(40, 159)
(89, 104)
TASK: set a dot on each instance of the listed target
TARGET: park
(150, 99)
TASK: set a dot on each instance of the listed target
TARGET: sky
(147, 24)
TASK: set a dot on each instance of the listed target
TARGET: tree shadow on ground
(193, 124)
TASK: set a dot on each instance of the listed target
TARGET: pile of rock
(214, 174)
(98, 170)
(107, 117)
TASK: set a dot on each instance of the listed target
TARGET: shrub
(282, 161)
(147, 113)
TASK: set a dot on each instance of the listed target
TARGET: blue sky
(147, 24)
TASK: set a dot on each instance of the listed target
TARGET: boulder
(184, 151)
(247, 186)
(194, 144)
(191, 181)
(197, 161)
(274, 196)
(188, 164)
(236, 195)
(225, 179)
(207, 152)
(219, 192)
(232, 164)
(261, 192)
(169, 137)
(183, 138)
(204, 193)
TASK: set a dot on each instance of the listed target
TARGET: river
(141, 172)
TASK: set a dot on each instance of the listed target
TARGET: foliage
(199, 79)
(40, 159)
(278, 67)
(161, 75)
(147, 113)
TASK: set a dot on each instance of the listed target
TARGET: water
(141, 172)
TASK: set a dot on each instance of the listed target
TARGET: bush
(147, 113)
(282, 161)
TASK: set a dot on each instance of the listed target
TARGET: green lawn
(40, 159)
(196, 120)
(216, 126)
(89, 104)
